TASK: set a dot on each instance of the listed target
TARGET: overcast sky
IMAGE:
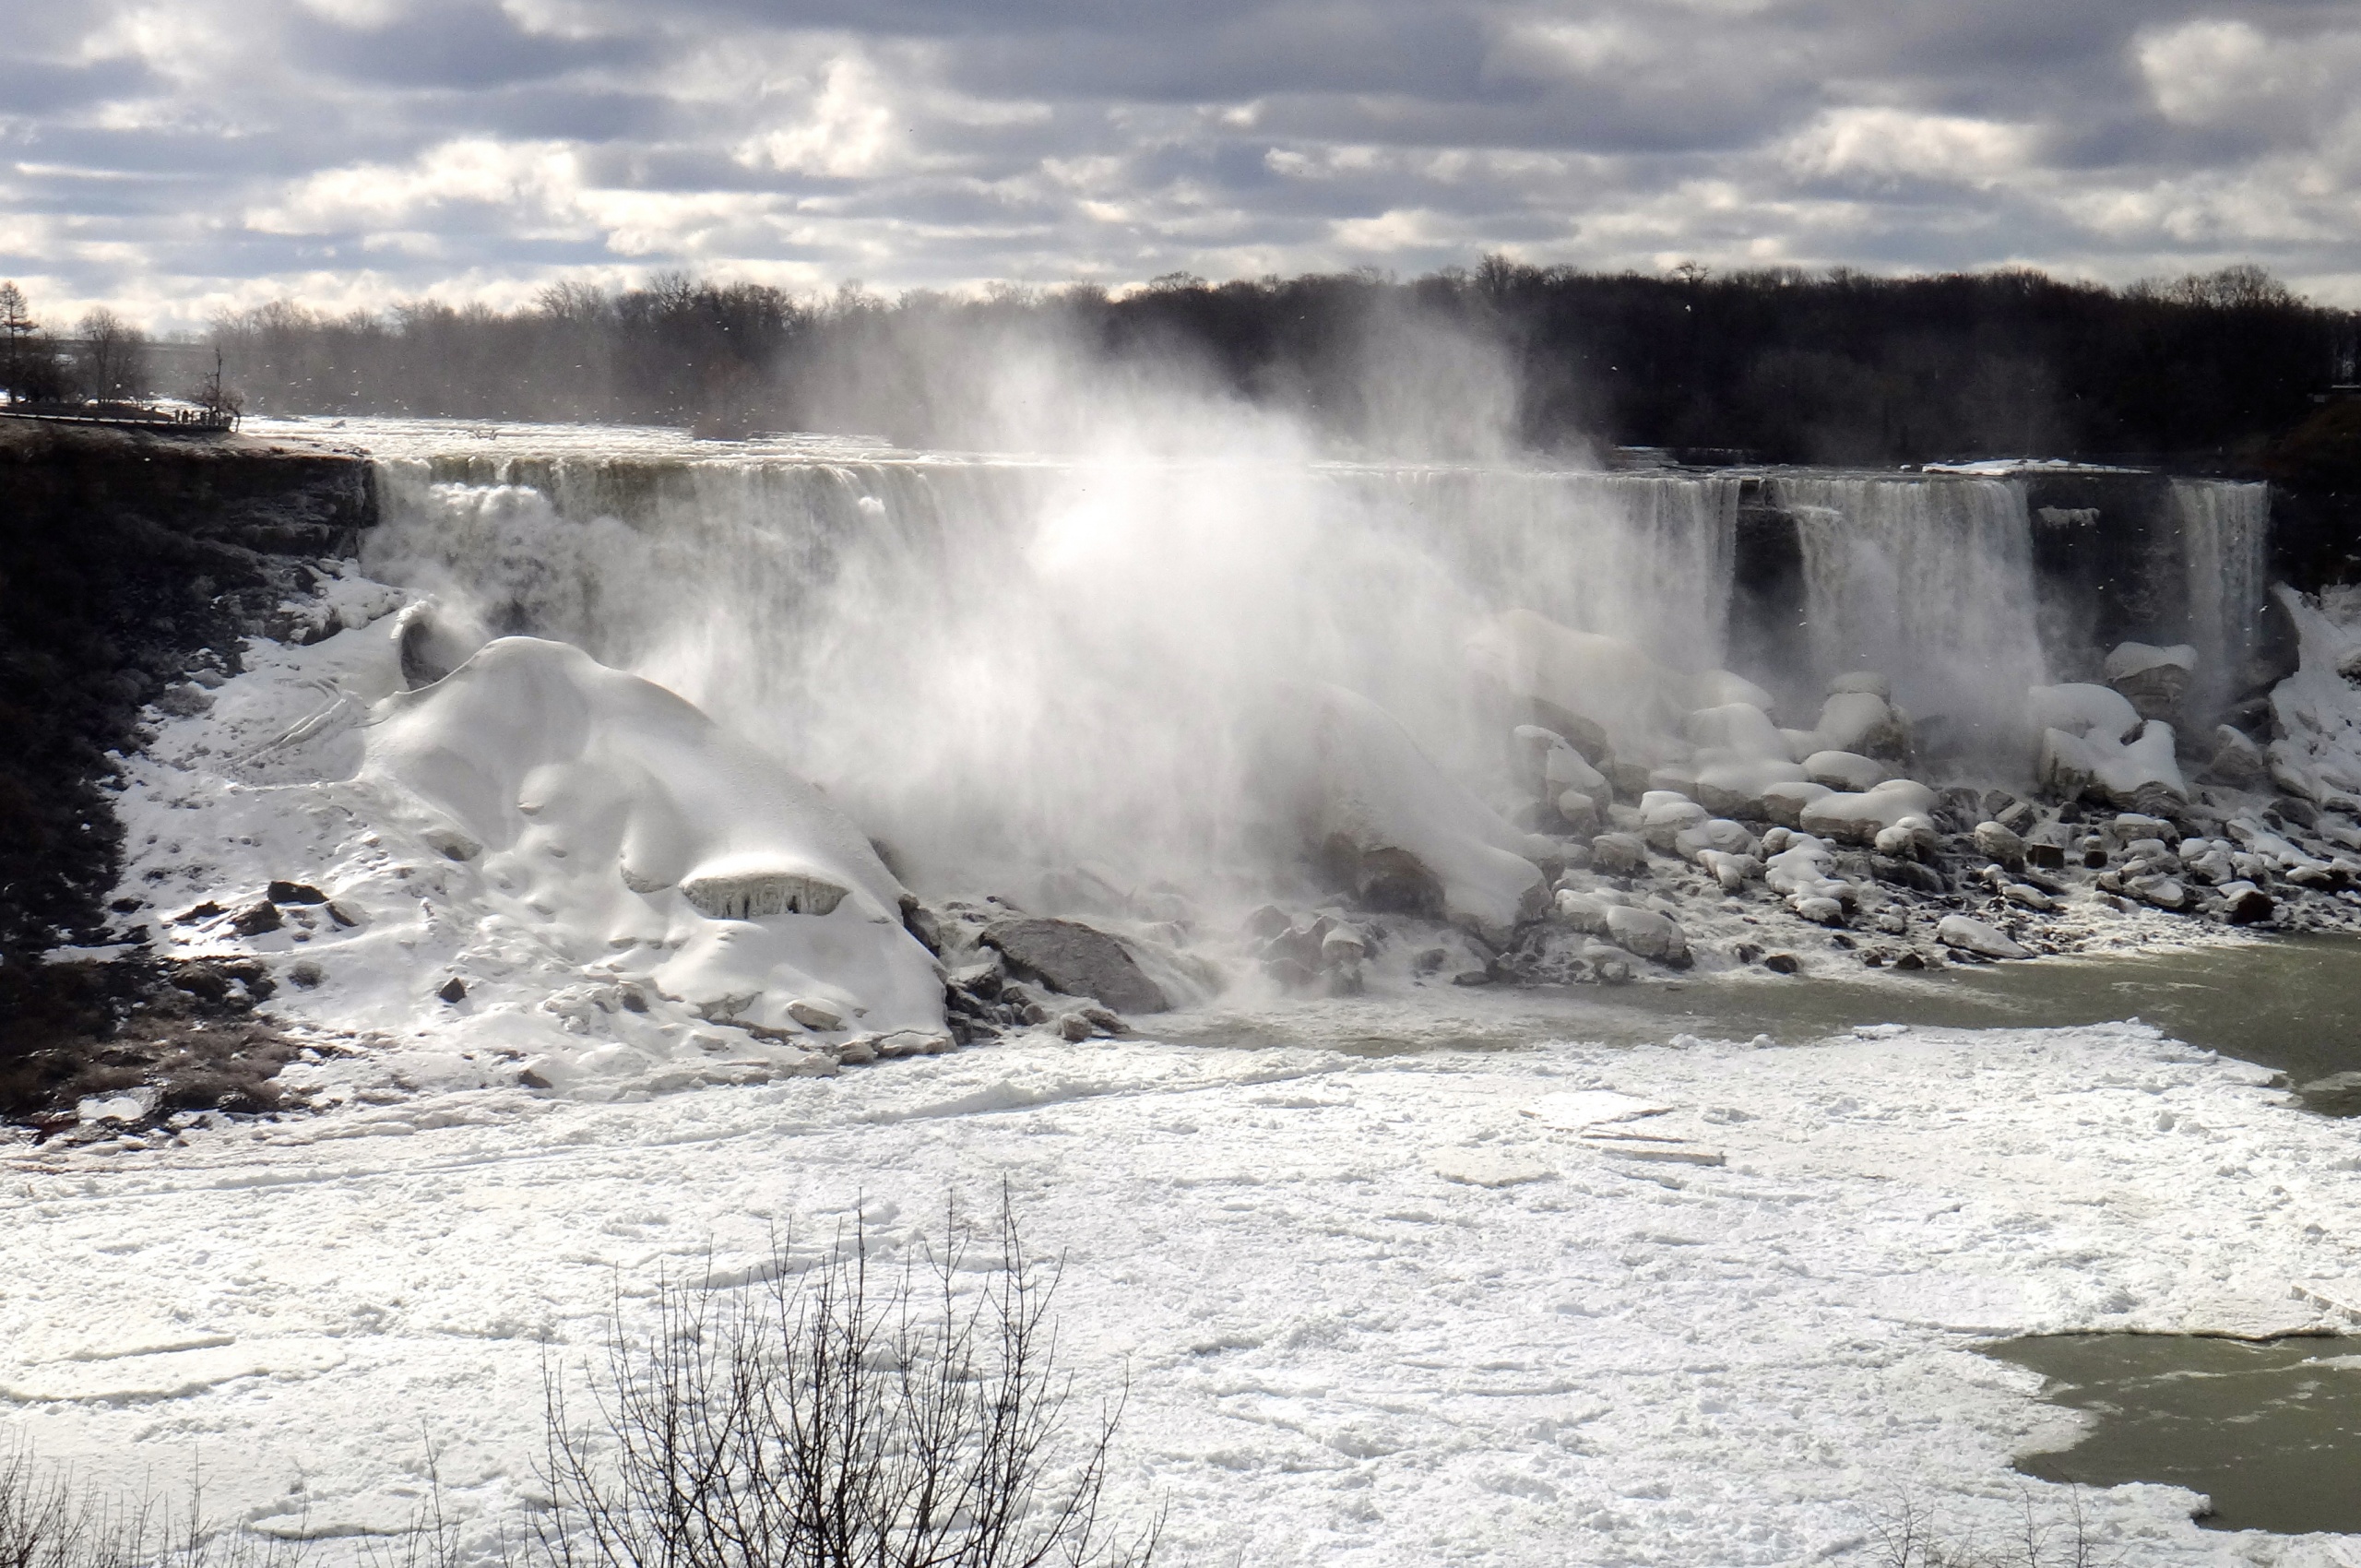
(179, 156)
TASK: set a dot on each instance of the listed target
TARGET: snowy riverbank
(1386, 1311)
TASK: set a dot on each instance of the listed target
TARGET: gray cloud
(180, 159)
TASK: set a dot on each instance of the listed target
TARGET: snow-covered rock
(1848, 771)
(1861, 721)
(2237, 760)
(2317, 754)
(1975, 936)
(1857, 818)
(1798, 864)
(1998, 842)
(2119, 772)
(2081, 710)
(1785, 803)
(2153, 679)
(620, 825)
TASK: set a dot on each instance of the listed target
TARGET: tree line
(106, 360)
(1780, 364)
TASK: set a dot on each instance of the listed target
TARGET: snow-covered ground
(1374, 1310)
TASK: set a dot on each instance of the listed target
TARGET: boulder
(1069, 956)
(1578, 812)
(1908, 837)
(1868, 681)
(1843, 770)
(2081, 710)
(1901, 873)
(1732, 871)
(1819, 911)
(1619, 854)
(2243, 904)
(1663, 815)
(1800, 866)
(1784, 803)
(2237, 762)
(1646, 933)
(1863, 722)
(1995, 842)
(2121, 773)
(1744, 789)
(2153, 679)
(1857, 818)
(1975, 936)
(1714, 834)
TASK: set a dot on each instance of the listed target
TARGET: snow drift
(627, 829)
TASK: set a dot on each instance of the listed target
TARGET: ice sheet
(1371, 1312)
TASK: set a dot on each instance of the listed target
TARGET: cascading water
(2223, 530)
(1002, 664)
(1008, 664)
(1928, 581)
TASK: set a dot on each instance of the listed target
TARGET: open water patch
(2291, 1003)
(2269, 1432)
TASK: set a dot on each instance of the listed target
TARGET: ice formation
(2318, 754)
(634, 836)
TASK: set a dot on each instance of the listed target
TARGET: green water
(2290, 1002)
(2271, 1432)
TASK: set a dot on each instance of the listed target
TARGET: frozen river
(1399, 1308)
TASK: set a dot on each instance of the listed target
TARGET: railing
(127, 415)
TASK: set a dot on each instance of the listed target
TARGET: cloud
(178, 154)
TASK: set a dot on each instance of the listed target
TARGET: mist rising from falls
(1003, 666)
(1006, 665)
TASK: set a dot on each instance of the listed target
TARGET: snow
(542, 829)
(1371, 1311)
(646, 844)
(2317, 709)
(2128, 659)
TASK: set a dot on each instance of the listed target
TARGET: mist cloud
(181, 158)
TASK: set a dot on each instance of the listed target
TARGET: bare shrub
(1906, 1533)
(50, 1520)
(831, 1419)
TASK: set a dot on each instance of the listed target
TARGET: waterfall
(995, 661)
(2223, 530)
(1928, 581)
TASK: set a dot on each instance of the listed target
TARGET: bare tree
(114, 357)
(17, 328)
(223, 404)
(827, 1420)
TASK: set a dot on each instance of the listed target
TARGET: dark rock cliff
(128, 561)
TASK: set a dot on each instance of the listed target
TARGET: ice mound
(626, 830)
(1387, 821)
(2093, 741)
(1859, 816)
(2319, 708)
